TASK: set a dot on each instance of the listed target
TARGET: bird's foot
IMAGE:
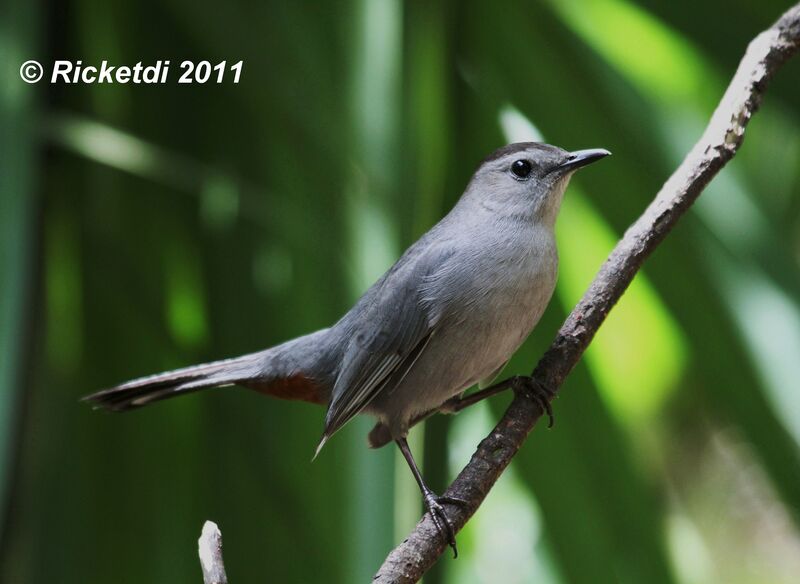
(433, 503)
(537, 391)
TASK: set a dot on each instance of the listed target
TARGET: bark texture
(209, 548)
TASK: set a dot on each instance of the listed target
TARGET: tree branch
(718, 144)
(209, 547)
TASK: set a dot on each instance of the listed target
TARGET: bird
(446, 316)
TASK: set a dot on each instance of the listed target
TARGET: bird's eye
(521, 168)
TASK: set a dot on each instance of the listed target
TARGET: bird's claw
(538, 392)
(447, 499)
(433, 504)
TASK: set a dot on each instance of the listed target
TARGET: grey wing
(389, 334)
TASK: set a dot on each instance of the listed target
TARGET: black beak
(581, 158)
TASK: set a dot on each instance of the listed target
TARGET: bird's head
(527, 179)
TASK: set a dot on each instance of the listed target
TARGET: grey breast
(486, 298)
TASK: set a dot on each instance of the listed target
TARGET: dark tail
(145, 390)
(296, 370)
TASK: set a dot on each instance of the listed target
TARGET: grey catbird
(446, 316)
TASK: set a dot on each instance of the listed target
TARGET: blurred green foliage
(149, 227)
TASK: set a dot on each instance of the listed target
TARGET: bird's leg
(534, 389)
(433, 502)
(528, 385)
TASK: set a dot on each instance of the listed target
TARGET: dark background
(150, 227)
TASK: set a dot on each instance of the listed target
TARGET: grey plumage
(448, 314)
(459, 302)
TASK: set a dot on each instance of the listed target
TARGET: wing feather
(388, 329)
